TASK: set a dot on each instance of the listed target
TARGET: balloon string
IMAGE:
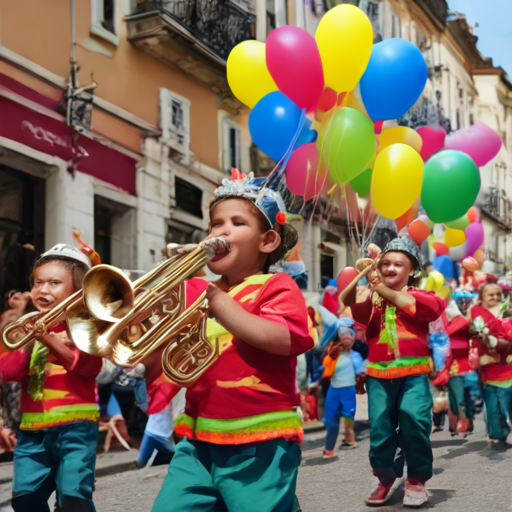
(278, 171)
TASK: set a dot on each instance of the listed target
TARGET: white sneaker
(415, 495)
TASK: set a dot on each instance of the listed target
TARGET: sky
(494, 32)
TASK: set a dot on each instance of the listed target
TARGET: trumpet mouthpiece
(216, 246)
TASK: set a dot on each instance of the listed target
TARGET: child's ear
(270, 241)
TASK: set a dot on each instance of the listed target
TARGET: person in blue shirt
(344, 366)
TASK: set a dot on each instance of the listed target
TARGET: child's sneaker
(329, 454)
(382, 494)
(415, 494)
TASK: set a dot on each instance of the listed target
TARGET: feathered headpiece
(268, 201)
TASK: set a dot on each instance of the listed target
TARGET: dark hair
(288, 234)
(77, 269)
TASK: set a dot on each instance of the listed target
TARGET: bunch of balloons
(318, 106)
(458, 239)
(347, 87)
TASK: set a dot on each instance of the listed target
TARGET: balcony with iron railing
(193, 36)
(498, 208)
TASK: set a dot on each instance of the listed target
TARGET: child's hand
(7, 439)
(216, 299)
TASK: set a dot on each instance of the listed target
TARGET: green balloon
(348, 142)
(460, 224)
(451, 183)
(362, 183)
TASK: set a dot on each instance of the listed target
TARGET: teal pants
(498, 402)
(253, 477)
(459, 395)
(59, 458)
(400, 412)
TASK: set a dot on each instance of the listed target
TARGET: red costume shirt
(69, 393)
(249, 394)
(413, 352)
(495, 363)
(458, 331)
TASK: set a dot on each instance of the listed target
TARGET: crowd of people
(420, 347)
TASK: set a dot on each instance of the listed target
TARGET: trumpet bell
(109, 294)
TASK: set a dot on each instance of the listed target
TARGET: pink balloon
(479, 141)
(433, 140)
(302, 176)
(474, 237)
(294, 62)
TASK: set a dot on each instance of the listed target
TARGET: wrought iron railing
(424, 113)
(499, 206)
(219, 24)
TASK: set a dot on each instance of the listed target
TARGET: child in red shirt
(56, 449)
(399, 401)
(241, 426)
(493, 337)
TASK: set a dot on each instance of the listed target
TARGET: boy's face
(236, 221)
(395, 267)
(53, 283)
(346, 341)
(492, 296)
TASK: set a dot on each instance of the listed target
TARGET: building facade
(128, 141)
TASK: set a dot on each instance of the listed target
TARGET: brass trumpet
(35, 325)
(156, 315)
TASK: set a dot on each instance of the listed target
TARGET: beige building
(133, 162)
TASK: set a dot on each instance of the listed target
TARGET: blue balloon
(273, 124)
(394, 79)
(444, 265)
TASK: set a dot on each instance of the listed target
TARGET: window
(180, 233)
(22, 219)
(188, 197)
(276, 14)
(113, 231)
(104, 20)
(175, 122)
(396, 30)
(230, 144)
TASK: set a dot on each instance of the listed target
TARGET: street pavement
(468, 477)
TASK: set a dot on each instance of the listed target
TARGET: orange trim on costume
(226, 438)
(396, 373)
(184, 431)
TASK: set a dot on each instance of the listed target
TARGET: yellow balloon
(454, 237)
(396, 180)
(435, 281)
(345, 39)
(247, 72)
(401, 134)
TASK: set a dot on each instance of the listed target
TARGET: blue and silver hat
(408, 246)
(267, 200)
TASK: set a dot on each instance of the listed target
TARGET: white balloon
(439, 230)
(458, 253)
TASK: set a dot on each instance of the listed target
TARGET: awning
(40, 128)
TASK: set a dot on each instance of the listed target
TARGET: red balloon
(473, 215)
(294, 62)
(327, 100)
(441, 249)
(433, 140)
(302, 174)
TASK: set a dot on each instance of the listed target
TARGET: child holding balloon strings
(396, 317)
